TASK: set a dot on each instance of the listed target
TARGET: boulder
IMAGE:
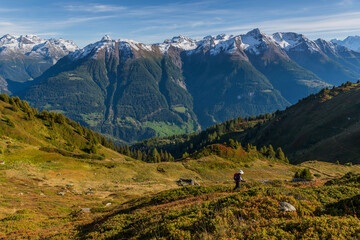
(84, 210)
(286, 207)
(185, 182)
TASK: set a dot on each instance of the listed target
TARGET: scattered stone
(69, 185)
(20, 193)
(89, 192)
(108, 204)
(85, 210)
(61, 193)
(41, 194)
(265, 181)
(94, 173)
(58, 174)
(286, 207)
(112, 159)
(185, 182)
(2, 162)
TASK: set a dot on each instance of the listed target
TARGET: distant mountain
(135, 91)
(331, 62)
(24, 58)
(351, 42)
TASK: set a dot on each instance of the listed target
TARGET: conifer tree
(139, 155)
(270, 152)
(155, 155)
(280, 154)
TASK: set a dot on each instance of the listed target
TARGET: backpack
(237, 177)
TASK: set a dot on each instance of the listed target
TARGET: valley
(119, 139)
(60, 180)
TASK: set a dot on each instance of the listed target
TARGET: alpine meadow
(180, 120)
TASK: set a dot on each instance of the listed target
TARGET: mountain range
(23, 58)
(133, 91)
(351, 42)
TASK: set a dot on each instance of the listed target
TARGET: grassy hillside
(306, 130)
(216, 212)
(60, 180)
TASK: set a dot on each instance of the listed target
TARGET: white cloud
(313, 24)
(94, 8)
(345, 3)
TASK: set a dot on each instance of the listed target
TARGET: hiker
(237, 178)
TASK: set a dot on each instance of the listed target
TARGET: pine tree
(306, 174)
(166, 156)
(280, 154)
(162, 155)
(127, 150)
(139, 155)
(248, 147)
(270, 152)
(263, 150)
(155, 155)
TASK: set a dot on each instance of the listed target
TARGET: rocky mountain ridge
(134, 91)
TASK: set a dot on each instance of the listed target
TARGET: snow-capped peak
(255, 33)
(291, 41)
(32, 45)
(180, 42)
(106, 38)
(107, 46)
(256, 41)
(351, 42)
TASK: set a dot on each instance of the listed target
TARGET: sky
(154, 21)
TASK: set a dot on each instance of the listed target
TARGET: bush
(304, 174)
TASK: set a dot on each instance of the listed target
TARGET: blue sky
(153, 21)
